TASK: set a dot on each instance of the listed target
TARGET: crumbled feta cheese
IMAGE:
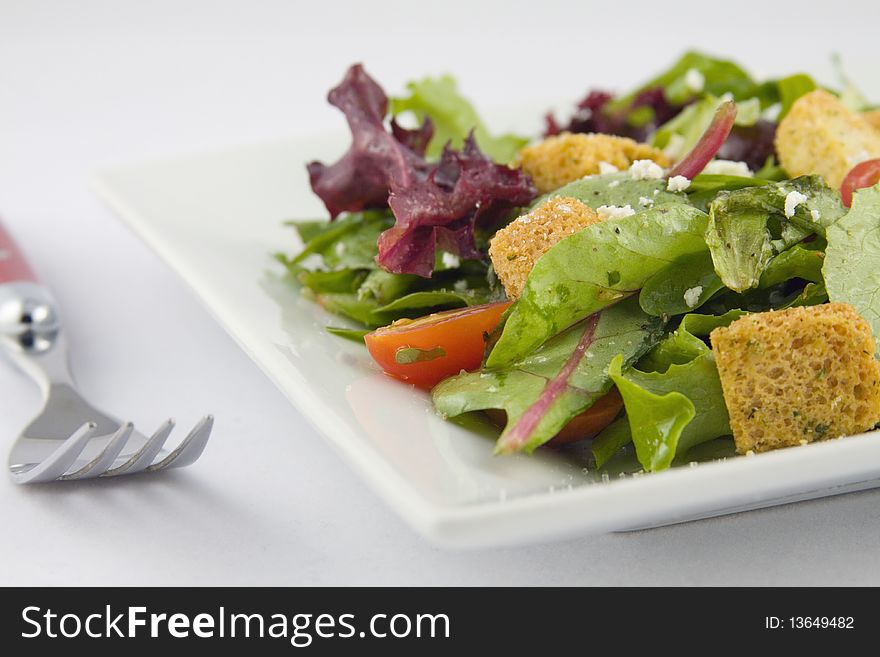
(606, 167)
(656, 191)
(614, 183)
(614, 211)
(450, 260)
(647, 202)
(726, 96)
(792, 200)
(339, 248)
(460, 285)
(694, 80)
(645, 170)
(692, 296)
(816, 215)
(677, 184)
(728, 168)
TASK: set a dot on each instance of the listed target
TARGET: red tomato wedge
(426, 350)
(864, 174)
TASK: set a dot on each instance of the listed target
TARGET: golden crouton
(515, 248)
(798, 375)
(820, 135)
(559, 160)
(872, 117)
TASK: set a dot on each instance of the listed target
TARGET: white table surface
(87, 84)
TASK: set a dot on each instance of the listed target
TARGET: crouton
(872, 117)
(798, 375)
(564, 158)
(821, 135)
(515, 248)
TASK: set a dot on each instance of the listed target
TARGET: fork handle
(13, 265)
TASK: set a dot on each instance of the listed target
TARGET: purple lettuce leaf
(442, 208)
(361, 178)
(593, 115)
(435, 205)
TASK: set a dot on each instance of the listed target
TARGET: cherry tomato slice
(586, 425)
(864, 174)
(426, 350)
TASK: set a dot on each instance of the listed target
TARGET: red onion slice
(519, 435)
(709, 144)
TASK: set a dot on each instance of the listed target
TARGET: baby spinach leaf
(355, 335)
(747, 227)
(613, 438)
(340, 280)
(812, 295)
(346, 279)
(617, 189)
(678, 348)
(797, 262)
(622, 329)
(384, 287)
(434, 299)
(851, 270)
(681, 286)
(595, 268)
(350, 241)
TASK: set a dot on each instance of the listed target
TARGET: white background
(86, 84)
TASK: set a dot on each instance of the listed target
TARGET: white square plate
(216, 218)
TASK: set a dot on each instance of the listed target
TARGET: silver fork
(70, 439)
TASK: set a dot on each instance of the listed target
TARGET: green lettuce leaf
(337, 267)
(792, 88)
(702, 325)
(453, 118)
(673, 401)
(623, 329)
(656, 421)
(720, 76)
(595, 268)
(851, 270)
(747, 227)
(350, 241)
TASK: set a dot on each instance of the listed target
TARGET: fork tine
(105, 459)
(145, 455)
(60, 460)
(190, 449)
